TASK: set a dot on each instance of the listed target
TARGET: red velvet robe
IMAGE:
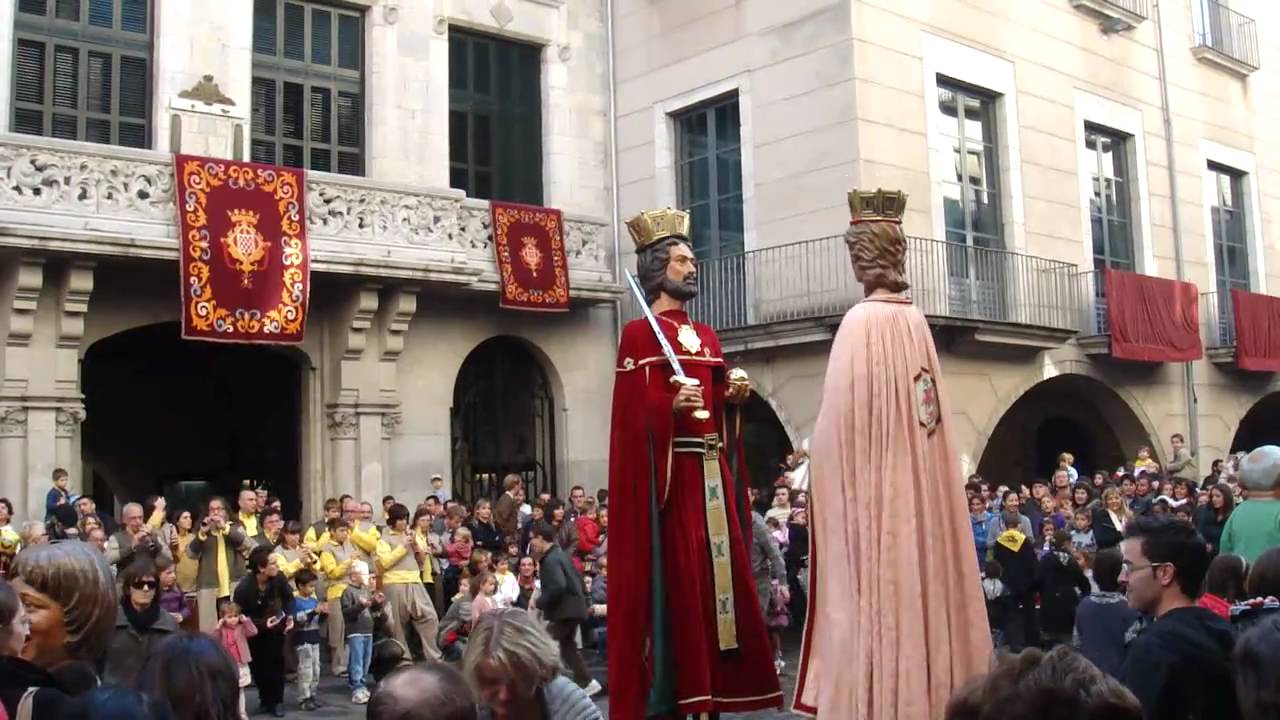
(705, 678)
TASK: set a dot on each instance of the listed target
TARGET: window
(308, 95)
(971, 200)
(709, 177)
(82, 70)
(1230, 244)
(495, 117)
(1111, 221)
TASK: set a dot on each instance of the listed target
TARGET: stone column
(342, 443)
(390, 421)
(13, 464)
(67, 434)
(372, 475)
(41, 452)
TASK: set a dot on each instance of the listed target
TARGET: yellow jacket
(366, 539)
(315, 542)
(398, 564)
(335, 565)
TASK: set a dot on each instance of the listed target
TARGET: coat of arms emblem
(244, 248)
(530, 255)
(927, 408)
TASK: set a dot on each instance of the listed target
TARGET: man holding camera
(132, 538)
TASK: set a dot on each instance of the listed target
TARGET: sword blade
(667, 350)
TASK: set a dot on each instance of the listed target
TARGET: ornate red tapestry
(246, 270)
(532, 268)
(1153, 319)
(1257, 320)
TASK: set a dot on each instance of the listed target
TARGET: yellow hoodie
(1012, 539)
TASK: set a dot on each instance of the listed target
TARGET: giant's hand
(689, 397)
(739, 390)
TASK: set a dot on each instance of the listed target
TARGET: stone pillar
(342, 443)
(67, 435)
(41, 452)
(13, 464)
(372, 475)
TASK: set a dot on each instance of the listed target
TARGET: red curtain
(1153, 319)
(1257, 319)
(533, 272)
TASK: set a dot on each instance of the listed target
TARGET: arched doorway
(503, 421)
(1068, 413)
(766, 443)
(1259, 426)
(190, 419)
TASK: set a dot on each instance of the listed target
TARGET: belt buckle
(713, 446)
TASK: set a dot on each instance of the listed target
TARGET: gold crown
(651, 226)
(244, 216)
(878, 206)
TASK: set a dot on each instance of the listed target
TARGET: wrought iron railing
(1092, 305)
(1137, 7)
(1217, 320)
(1226, 31)
(814, 279)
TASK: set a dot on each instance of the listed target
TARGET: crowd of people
(1164, 581)
(179, 595)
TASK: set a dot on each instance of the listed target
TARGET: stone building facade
(814, 97)
(404, 297)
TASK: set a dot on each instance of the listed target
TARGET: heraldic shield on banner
(533, 271)
(245, 262)
(927, 409)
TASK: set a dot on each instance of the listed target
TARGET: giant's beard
(683, 291)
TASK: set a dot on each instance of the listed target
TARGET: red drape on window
(1257, 319)
(1153, 319)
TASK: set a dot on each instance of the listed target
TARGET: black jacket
(1210, 527)
(563, 596)
(1019, 564)
(1062, 583)
(16, 675)
(1179, 667)
(258, 605)
(1105, 531)
(1102, 622)
(487, 536)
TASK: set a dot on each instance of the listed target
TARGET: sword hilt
(686, 381)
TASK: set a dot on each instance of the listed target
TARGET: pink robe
(896, 616)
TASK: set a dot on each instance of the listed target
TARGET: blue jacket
(1102, 621)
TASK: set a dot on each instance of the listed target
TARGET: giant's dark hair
(651, 266)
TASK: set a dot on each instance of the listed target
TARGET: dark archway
(1067, 413)
(190, 419)
(1259, 426)
(766, 443)
(503, 421)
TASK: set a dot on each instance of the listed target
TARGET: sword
(679, 376)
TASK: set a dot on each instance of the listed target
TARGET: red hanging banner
(1153, 319)
(246, 269)
(1257, 320)
(533, 272)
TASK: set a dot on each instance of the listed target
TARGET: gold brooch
(688, 339)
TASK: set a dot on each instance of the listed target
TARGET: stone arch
(767, 440)
(191, 419)
(1260, 424)
(1067, 407)
(504, 418)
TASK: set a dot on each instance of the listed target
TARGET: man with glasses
(1180, 665)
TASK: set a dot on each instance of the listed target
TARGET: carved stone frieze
(473, 230)
(584, 244)
(37, 178)
(207, 92)
(391, 420)
(13, 421)
(343, 424)
(68, 419)
(381, 216)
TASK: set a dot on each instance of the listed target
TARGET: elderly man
(433, 691)
(1254, 526)
(134, 537)
(247, 517)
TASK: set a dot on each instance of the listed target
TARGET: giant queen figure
(896, 617)
(686, 632)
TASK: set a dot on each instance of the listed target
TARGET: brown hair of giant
(76, 577)
(879, 254)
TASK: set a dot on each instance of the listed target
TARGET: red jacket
(588, 539)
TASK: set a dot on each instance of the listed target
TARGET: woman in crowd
(514, 665)
(140, 623)
(1262, 588)
(424, 538)
(187, 567)
(527, 579)
(1081, 497)
(566, 532)
(193, 678)
(153, 509)
(538, 512)
(265, 598)
(484, 532)
(1212, 518)
(1110, 519)
(796, 555)
(1224, 584)
(87, 525)
(216, 548)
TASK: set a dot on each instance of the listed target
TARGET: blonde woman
(514, 666)
(1110, 519)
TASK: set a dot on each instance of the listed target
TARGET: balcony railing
(1217, 319)
(1137, 7)
(1092, 305)
(1116, 15)
(1227, 32)
(813, 279)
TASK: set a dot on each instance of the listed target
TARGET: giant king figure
(896, 617)
(686, 632)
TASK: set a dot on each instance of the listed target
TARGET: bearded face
(668, 268)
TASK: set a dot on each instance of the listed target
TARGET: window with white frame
(1110, 213)
(1230, 239)
(971, 198)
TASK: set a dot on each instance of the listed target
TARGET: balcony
(798, 293)
(1218, 328)
(91, 199)
(1095, 333)
(1116, 15)
(1225, 38)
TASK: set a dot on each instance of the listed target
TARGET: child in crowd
(1144, 463)
(357, 612)
(459, 550)
(1224, 584)
(1082, 535)
(172, 599)
(1066, 461)
(309, 611)
(456, 625)
(997, 597)
(439, 490)
(59, 494)
(233, 632)
(512, 560)
(1047, 530)
(484, 587)
(778, 618)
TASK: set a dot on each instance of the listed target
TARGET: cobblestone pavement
(337, 698)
